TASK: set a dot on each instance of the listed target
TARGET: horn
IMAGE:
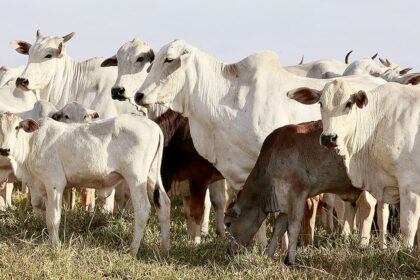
(383, 62)
(374, 56)
(68, 36)
(346, 59)
(38, 34)
(405, 71)
(301, 61)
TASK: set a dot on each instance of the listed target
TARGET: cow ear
(413, 79)
(60, 50)
(57, 116)
(111, 61)
(92, 114)
(68, 37)
(29, 125)
(360, 99)
(151, 55)
(405, 71)
(305, 95)
(21, 47)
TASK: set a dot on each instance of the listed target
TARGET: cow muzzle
(4, 152)
(329, 141)
(22, 84)
(118, 93)
(138, 98)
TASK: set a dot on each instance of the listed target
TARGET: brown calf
(291, 167)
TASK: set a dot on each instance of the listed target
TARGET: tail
(155, 167)
(346, 60)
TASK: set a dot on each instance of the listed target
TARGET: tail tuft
(156, 196)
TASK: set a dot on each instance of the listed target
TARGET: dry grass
(95, 246)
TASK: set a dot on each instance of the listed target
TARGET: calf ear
(305, 95)
(21, 47)
(28, 125)
(360, 99)
(92, 114)
(112, 61)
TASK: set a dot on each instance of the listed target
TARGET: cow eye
(168, 60)
(140, 59)
(85, 117)
(17, 127)
(66, 116)
(48, 56)
(349, 104)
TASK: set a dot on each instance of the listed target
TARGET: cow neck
(69, 82)
(360, 146)
(21, 153)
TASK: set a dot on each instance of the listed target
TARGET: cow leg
(141, 207)
(163, 208)
(261, 235)
(197, 197)
(206, 214)
(285, 242)
(120, 196)
(280, 227)
(88, 199)
(295, 217)
(9, 192)
(328, 213)
(3, 203)
(308, 223)
(53, 211)
(347, 219)
(383, 216)
(69, 198)
(409, 215)
(218, 196)
(365, 212)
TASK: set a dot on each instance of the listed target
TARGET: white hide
(59, 155)
(319, 69)
(231, 107)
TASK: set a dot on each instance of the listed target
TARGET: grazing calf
(182, 162)
(291, 167)
(53, 155)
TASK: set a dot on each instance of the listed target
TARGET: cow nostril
(334, 138)
(22, 82)
(139, 97)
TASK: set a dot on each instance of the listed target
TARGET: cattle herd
(252, 137)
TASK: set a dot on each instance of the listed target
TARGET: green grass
(95, 246)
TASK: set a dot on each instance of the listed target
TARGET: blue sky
(229, 29)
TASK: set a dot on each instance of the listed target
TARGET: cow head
(45, 57)
(12, 133)
(245, 217)
(338, 103)
(169, 76)
(133, 60)
(394, 73)
(74, 112)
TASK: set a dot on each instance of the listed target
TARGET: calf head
(74, 112)
(244, 219)
(45, 59)
(338, 103)
(12, 133)
(133, 60)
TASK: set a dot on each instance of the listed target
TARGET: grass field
(96, 247)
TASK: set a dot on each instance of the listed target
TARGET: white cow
(60, 79)
(229, 106)
(60, 155)
(319, 69)
(8, 75)
(377, 134)
(389, 72)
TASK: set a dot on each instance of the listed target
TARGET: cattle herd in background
(251, 134)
